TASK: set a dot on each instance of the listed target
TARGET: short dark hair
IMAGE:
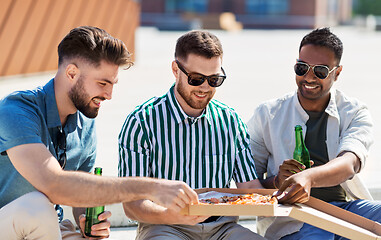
(325, 38)
(93, 45)
(201, 43)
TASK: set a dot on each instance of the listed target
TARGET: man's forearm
(75, 188)
(80, 189)
(145, 211)
(335, 172)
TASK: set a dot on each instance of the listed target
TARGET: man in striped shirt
(185, 135)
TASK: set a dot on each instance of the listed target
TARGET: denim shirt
(349, 128)
(32, 117)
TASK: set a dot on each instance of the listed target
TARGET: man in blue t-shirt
(48, 143)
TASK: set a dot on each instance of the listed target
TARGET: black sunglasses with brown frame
(196, 79)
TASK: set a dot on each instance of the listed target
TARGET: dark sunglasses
(196, 79)
(320, 71)
(61, 145)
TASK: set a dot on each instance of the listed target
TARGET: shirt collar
(299, 107)
(331, 109)
(52, 115)
(179, 114)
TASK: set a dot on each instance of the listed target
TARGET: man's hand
(288, 168)
(101, 230)
(173, 217)
(299, 188)
(292, 177)
(174, 195)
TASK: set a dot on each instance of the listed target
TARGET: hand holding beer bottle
(301, 159)
(92, 214)
(298, 185)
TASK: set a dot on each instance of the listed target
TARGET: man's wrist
(275, 180)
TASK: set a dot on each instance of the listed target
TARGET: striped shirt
(158, 139)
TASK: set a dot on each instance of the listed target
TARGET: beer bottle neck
(299, 138)
(98, 171)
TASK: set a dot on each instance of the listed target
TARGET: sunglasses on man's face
(196, 79)
(320, 71)
(61, 144)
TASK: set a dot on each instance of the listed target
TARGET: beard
(188, 97)
(81, 101)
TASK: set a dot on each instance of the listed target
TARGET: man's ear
(338, 71)
(175, 69)
(72, 72)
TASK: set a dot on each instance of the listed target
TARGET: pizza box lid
(315, 212)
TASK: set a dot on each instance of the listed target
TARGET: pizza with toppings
(249, 198)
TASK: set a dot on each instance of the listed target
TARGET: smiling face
(194, 99)
(94, 85)
(313, 93)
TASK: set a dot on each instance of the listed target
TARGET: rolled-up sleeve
(357, 137)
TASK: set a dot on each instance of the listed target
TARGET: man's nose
(310, 76)
(108, 93)
(205, 85)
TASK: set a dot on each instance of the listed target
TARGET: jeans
(365, 208)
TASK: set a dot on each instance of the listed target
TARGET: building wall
(302, 8)
(30, 30)
(153, 6)
(345, 10)
(297, 14)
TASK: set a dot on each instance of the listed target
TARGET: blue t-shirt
(32, 117)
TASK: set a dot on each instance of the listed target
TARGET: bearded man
(188, 136)
(48, 143)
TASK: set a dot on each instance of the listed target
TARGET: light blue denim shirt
(32, 117)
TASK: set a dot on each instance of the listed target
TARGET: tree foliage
(366, 7)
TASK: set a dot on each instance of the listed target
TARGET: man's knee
(236, 231)
(34, 206)
(159, 232)
(31, 216)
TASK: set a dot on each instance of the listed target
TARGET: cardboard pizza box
(315, 212)
(237, 210)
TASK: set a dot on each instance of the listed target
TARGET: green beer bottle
(93, 212)
(301, 153)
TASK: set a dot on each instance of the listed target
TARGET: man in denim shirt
(338, 134)
(47, 144)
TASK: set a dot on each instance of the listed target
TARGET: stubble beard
(188, 98)
(81, 101)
